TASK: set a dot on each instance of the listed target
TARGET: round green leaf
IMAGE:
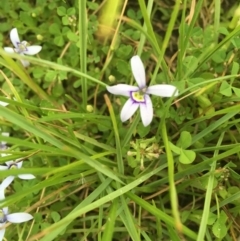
(61, 11)
(219, 229)
(226, 89)
(59, 41)
(185, 140)
(187, 156)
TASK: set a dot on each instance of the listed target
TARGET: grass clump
(98, 178)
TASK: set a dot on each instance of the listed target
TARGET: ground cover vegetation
(90, 147)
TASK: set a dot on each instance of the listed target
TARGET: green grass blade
(94, 205)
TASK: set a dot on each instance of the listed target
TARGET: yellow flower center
(22, 46)
(138, 96)
(13, 166)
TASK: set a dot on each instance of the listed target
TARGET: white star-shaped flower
(12, 218)
(139, 95)
(21, 47)
(8, 180)
(10, 165)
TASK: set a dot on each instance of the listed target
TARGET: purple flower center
(3, 147)
(139, 96)
(22, 47)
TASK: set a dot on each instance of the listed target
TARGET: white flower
(12, 218)
(139, 95)
(8, 180)
(21, 47)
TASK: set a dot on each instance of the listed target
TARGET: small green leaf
(219, 56)
(27, 19)
(223, 217)
(190, 62)
(72, 36)
(38, 72)
(226, 89)
(236, 91)
(236, 42)
(223, 30)
(71, 11)
(65, 30)
(77, 83)
(55, 216)
(223, 193)
(203, 101)
(185, 140)
(187, 156)
(132, 162)
(211, 218)
(61, 11)
(24, 6)
(142, 130)
(5, 27)
(54, 29)
(92, 5)
(58, 90)
(124, 51)
(123, 67)
(50, 76)
(59, 41)
(235, 68)
(219, 229)
(175, 149)
(65, 20)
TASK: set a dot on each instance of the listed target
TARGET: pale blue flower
(8, 180)
(21, 47)
(12, 218)
(139, 95)
(10, 165)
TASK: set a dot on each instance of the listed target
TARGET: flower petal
(19, 164)
(32, 50)
(19, 217)
(138, 71)
(2, 195)
(128, 109)
(4, 154)
(26, 176)
(162, 90)
(2, 103)
(122, 89)
(4, 134)
(146, 111)
(9, 163)
(3, 168)
(25, 63)
(14, 37)
(2, 231)
(9, 50)
(6, 182)
(5, 210)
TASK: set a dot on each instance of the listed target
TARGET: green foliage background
(98, 178)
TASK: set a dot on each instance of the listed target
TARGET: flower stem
(82, 26)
